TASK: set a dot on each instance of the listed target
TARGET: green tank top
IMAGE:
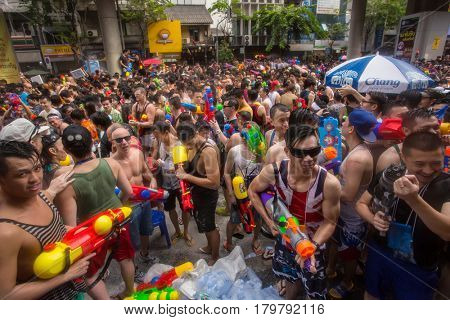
(95, 191)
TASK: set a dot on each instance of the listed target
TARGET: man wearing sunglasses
(355, 175)
(136, 169)
(312, 196)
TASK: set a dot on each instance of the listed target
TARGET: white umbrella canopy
(378, 73)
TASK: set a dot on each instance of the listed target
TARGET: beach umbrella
(378, 73)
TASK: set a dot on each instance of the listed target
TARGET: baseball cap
(21, 130)
(76, 136)
(364, 123)
(49, 140)
(390, 129)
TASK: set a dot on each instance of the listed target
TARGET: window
(194, 34)
(246, 27)
(238, 27)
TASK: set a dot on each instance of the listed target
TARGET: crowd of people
(66, 144)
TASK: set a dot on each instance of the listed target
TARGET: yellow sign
(53, 50)
(165, 36)
(9, 70)
(436, 43)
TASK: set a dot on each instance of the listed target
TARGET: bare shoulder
(10, 236)
(62, 170)
(332, 186)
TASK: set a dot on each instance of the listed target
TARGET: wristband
(315, 244)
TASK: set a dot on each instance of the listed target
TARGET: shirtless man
(279, 116)
(24, 205)
(204, 177)
(135, 167)
(309, 192)
(355, 175)
(415, 120)
(143, 113)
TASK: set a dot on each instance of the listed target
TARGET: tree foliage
(144, 12)
(225, 52)
(336, 31)
(227, 11)
(279, 21)
(386, 13)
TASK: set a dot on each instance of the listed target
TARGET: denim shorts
(141, 223)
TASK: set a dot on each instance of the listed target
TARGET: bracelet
(315, 244)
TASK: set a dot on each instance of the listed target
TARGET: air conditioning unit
(247, 38)
(92, 33)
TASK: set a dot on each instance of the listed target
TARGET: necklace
(83, 161)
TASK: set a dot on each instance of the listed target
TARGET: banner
(165, 36)
(9, 69)
(407, 35)
(56, 50)
(328, 7)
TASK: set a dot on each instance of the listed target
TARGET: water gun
(328, 158)
(330, 135)
(165, 279)
(168, 113)
(141, 193)
(245, 210)
(209, 105)
(383, 194)
(167, 293)
(66, 162)
(447, 159)
(228, 130)
(180, 155)
(80, 241)
(254, 139)
(288, 226)
(219, 107)
(129, 68)
(194, 108)
(445, 128)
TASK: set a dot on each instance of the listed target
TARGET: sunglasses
(119, 140)
(34, 133)
(302, 153)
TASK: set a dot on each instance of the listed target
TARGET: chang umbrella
(378, 73)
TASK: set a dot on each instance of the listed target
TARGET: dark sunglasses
(119, 140)
(302, 153)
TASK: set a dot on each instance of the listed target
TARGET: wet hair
(77, 114)
(186, 131)
(389, 106)
(423, 141)
(298, 133)
(175, 102)
(411, 116)
(253, 95)
(410, 98)
(278, 107)
(245, 116)
(64, 93)
(378, 98)
(309, 82)
(55, 100)
(184, 117)
(101, 119)
(15, 149)
(162, 126)
(78, 148)
(302, 116)
(202, 124)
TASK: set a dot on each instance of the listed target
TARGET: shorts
(169, 203)
(235, 216)
(205, 203)
(350, 240)
(122, 249)
(141, 223)
(386, 275)
(285, 267)
(147, 140)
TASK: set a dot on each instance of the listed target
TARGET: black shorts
(205, 203)
(169, 203)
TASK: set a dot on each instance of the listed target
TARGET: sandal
(340, 291)
(281, 287)
(202, 250)
(175, 237)
(227, 247)
(180, 221)
(257, 249)
(189, 241)
(268, 253)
